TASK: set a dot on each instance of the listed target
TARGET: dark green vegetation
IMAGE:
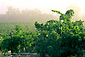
(18, 40)
(62, 38)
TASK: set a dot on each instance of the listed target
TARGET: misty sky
(42, 5)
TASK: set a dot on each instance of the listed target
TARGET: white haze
(45, 6)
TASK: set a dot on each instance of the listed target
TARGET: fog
(32, 10)
(27, 15)
(16, 15)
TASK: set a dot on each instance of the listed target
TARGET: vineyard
(55, 38)
(7, 27)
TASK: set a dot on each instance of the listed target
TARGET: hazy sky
(42, 5)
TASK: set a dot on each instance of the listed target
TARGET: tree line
(14, 14)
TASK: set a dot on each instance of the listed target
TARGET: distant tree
(13, 11)
(14, 14)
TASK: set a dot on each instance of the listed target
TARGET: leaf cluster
(61, 38)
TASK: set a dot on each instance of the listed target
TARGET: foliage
(61, 38)
(1, 39)
(17, 41)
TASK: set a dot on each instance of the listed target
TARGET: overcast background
(43, 5)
